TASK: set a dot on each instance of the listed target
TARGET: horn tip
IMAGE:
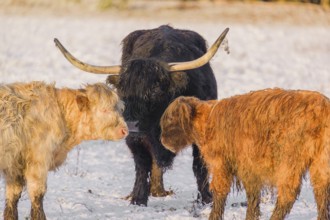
(57, 42)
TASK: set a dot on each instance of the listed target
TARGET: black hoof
(139, 202)
(205, 198)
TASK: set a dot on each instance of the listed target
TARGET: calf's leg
(288, 190)
(14, 187)
(320, 178)
(201, 174)
(36, 179)
(220, 187)
(253, 197)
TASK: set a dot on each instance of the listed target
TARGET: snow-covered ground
(98, 174)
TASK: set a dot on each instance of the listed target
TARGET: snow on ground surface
(98, 174)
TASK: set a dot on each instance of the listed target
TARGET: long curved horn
(180, 66)
(114, 70)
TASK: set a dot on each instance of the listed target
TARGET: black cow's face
(147, 88)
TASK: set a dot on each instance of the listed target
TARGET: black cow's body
(147, 88)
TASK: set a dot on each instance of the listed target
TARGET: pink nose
(124, 131)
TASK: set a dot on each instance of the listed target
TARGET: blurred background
(160, 5)
(104, 4)
(296, 12)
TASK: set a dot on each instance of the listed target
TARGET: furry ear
(180, 80)
(186, 112)
(113, 80)
(82, 102)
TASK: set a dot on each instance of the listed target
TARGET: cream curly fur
(40, 124)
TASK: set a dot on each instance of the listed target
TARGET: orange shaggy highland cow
(264, 138)
(40, 124)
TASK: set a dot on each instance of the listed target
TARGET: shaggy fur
(147, 88)
(264, 138)
(40, 124)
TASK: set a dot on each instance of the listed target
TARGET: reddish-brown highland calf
(40, 124)
(267, 138)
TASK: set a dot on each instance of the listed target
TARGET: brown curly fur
(264, 138)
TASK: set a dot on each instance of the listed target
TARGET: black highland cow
(158, 65)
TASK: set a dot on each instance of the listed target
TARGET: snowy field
(98, 174)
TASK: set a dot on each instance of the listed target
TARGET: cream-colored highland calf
(264, 138)
(40, 124)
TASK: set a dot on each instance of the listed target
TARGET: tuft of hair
(101, 94)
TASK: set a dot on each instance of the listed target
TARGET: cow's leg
(320, 178)
(220, 187)
(201, 175)
(288, 189)
(143, 163)
(157, 184)
(161, 158)
(36, 180)
(14, 187)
